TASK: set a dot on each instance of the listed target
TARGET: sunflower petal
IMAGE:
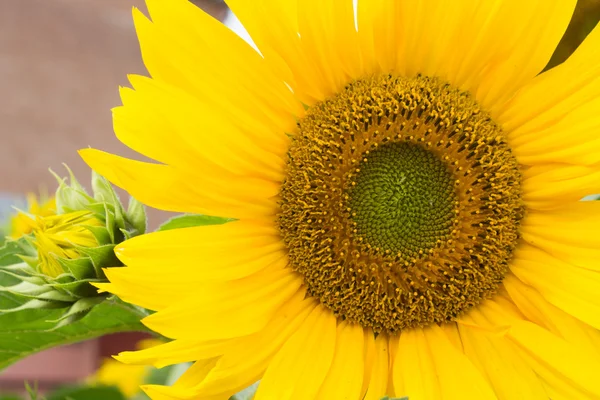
(550, 186)
(554, 118)
(225, 310)
(311, 43)
(233, 250)
(569, 233)
(167, 188)
(345, 377)
(171, 126)
(428, 366)
(505, 370)
(195, 373)
(566, 371)
(490, 48)
(541, 312)
(572, 289)
(175, 352)
(178, 56)
(298, 370)
(245, 362)
(377, 367)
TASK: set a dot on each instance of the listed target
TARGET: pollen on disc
(401, 203)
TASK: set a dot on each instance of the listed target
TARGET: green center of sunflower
(401, 203)
(403, 199)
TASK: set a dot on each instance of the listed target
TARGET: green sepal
(79, 268)
(101, 257)
(25, 289)
(103, 191)
(119, 213)
(136, 214)
(77, 311)
(53, 295)
(25, 277)
(101, 233)
(78, 288)
(71, 197)
(36, 304)
(110, 223)
(31, 261)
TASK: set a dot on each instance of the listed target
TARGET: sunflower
(406, 187)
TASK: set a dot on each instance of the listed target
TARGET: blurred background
(61, 62)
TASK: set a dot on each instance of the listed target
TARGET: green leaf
(9, 253)
(191, 220)
(29, 331)
(87, 393)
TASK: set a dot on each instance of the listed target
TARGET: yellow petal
(176, 46)
(567, 372)
(550, 186)
(345, 377)
(414, 369)
(393, 387)
(174, 127)
(377, 367)
(504, 369)
(378, 34)
(313, 44)
(569, 233)
(298, 370)
(328, 38)
(553, 118)
(167, 188)
(175, 352)
(222, 252)
(489, 48)
(196, 373)
(572, 289)
(227, 309)
(429, 367)
(540, 311)
(245, 360)
(273, 26)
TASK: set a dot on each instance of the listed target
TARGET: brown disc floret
(401, 203)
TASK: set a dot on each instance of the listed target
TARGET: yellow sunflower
(407, 192)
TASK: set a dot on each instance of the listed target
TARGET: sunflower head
(405, 182)
(403, 198)
(66, 252)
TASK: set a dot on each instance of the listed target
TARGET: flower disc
(401, 203)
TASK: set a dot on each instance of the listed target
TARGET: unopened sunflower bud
(42, 206)
(66, 252)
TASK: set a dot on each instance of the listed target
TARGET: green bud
(66, 253)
